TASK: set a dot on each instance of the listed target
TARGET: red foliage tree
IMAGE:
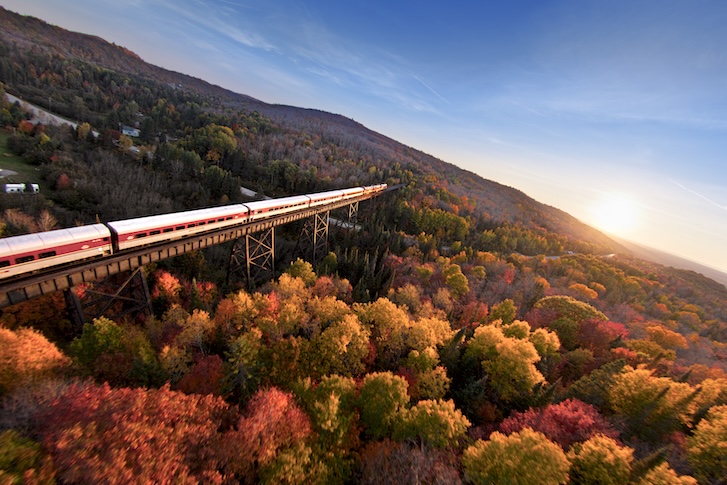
(272, 423)
(472, 314)
(63, 182)
(96, 434)
(568, 422)
(597, 335)
(166, 287)
(205, 377)
(26, 127)
(541, 317)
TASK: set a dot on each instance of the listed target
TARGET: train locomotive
(35, 252)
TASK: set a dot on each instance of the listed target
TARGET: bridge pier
(114, 297)
(313, 240)
(353, 214)
(253, 257)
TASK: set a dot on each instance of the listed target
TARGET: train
(44, 250)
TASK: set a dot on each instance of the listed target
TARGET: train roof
(49, 239)
(152, 222)
(263, 204)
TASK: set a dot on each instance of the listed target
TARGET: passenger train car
(34, 252)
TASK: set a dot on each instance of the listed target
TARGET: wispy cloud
(694, 192)
(532, 110)
(214, 20)
(321, 56)
(430, 89)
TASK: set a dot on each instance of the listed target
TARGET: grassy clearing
(9, 161)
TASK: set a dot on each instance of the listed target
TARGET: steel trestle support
(254, 256)
(114, 297)
(313, 240)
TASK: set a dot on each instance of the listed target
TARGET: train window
(191, 225)
(4, 263)
(228, 218)
(24, 259)
(221, 219)
(48, 254)
(140, 235)
(154, 233)
(179, 228)
(201, 223)
(168, 229)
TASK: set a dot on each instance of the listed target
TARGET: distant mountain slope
(499, 202)
(668, 259)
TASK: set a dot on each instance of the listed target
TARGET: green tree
(303, 270)
(342, 348)
(389, 325)
(244, 367)
(653, 406)
(512, 374)
(706, 447)
(516, 329)
(383, 395)
(508, 363)
(570, 308)
(23, 461)
(434, 422)
(428, 333)
(600, 461)
(522, 458)
(505, 311)
(331, 407)
(430, 380)
(120, 354)
(457, 282)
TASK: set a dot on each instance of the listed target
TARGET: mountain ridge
(498, 201)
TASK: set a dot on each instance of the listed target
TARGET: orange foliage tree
(26, 357)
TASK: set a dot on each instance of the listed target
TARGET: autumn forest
(464, 334)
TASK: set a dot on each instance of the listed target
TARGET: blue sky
(584, 105)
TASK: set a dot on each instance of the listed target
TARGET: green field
(8, 161)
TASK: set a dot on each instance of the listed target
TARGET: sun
(617, 214)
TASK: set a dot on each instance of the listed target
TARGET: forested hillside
(466, 333)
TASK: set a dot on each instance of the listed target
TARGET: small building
(22, 188)
(130, 131)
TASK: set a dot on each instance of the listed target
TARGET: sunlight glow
(617, 214)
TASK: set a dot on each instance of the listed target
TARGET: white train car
(264, 209)
(352, 192)
(34, 252)
(133, 233)
(374, 189)
(323, 198)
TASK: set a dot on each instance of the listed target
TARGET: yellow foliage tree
(600, 461)
(522, 458)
